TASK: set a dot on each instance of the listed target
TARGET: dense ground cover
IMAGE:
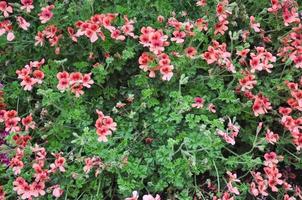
(175, 100)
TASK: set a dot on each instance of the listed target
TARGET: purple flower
(1, 85)
(4, 159)
(3, 134)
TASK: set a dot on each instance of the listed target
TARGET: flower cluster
(51, 33)
(262, 60)
(222, 13)
(41, 174)
(154, 39)
(161, 63)
(291, 47)
(92, 28)
(181, 30)
(289, 10)
(11, 121)
(75, 82)
(199, 103)
(6, 27)
(31, 74)
(7, 10)
(218, 54)
(271, 177)
(287, 120)
(104, 126)
(232, 179)
(248, 82)
(231, 132)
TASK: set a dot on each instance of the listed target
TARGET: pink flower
(77, 89)
(287, 197)
(275, 6)
(290, 15)
(253, 190)
(226, 137)
(72, 34)
(231, 133)
(261, 105)
(221, 11)
(212, 108)
(116, 34)
(109, 123)
(271, 137)
(190, 52)
(23, 23)
(37, 189)
(75, 78)
(59, 163)
(92, 35)
(63, 85)
(298, 61)
(28, 123)
(128, 27)
(134, 196)
(39, 76)
(255, 26)
(270, 159)
(262, 60)
(5, 8)
(87, 81)
(150, 197)
(221, 27)
(248, 82)
(102, 134)
(198, 102)
(166, 71)
(45, 15)
(57, 191)
(232, 189)
(88, 165)
(201, 24)
(217, 53)
(10, 36)
(28, 83)
(178, 37)
(39, 38)
(27, 5)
